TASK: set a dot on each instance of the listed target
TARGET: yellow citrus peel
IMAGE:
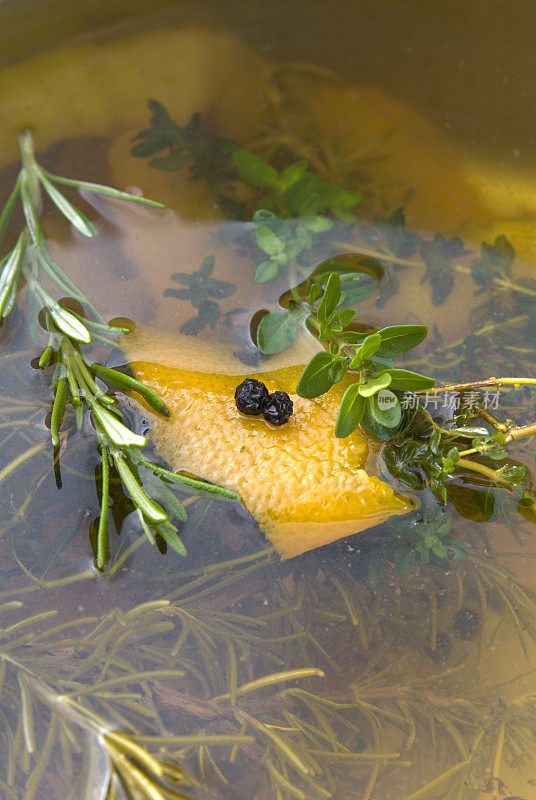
(305, 487)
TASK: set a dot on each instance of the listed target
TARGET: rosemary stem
(29, 171)
(380, 255)
(424, 790)
(102, 534)
(497, 760)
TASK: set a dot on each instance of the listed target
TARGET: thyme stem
(465, 387)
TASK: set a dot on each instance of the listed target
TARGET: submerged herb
(429, 542)
(192, 681)
(289, 208)
(203, 292)
(170, 147)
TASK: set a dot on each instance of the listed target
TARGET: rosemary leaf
(145, 505)
(128, 384)
(170, 535)
(30, 213)
(107, 191)
(119, 434)
(75, 217)
(8, 209)
(9, 275)
(102, 533)
(46, 356)
(58, 409)
(193, 483)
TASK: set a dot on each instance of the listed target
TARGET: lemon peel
(305, 487)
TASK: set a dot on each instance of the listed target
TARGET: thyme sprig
(370, 400)
(77, 381)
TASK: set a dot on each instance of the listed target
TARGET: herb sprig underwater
(76, 380)
(290, 209)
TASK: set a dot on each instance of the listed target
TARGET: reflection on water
(329, 675)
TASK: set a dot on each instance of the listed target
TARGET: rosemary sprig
(77, 381)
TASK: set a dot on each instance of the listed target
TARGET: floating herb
(74, 376)
(369, 355)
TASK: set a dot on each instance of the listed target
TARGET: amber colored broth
(466, 73)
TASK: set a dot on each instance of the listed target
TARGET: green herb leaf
(341, 318)
(317, 224)
(266, 271)
(160, 491)
(352, 337)
(29, 210)
(46, 356)
(99, 188)
(10, 275)
(330, 298)
(356, 287)
(267, 240)
(127, 384)
(5, 216)
(291, 173)
(368, 422)
(170, 163)
(69, 324)
(151, 510)
(75, 217)
(254, 170)
(169, 533)
(58, 409)
(314, 293)
(322, 371)
(385, 408)
(119, 434)
(162, 133)
(400, 242)
(374, 385)
(276, 331)
(398, 339)
(184, 480)
(369, 346)
(350, 411)
(406, 380)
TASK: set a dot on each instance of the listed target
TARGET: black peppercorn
(250, 396)
(277, 408)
